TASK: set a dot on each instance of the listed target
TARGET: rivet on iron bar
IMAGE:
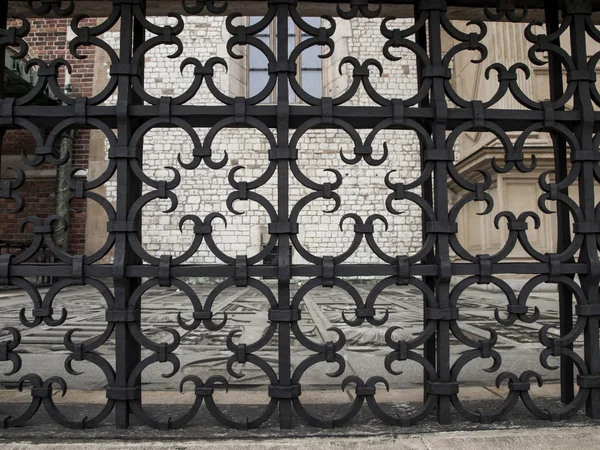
(549, 114)
(164, 108)
(519, 386)
(397, 111)
(432, 5)
(164, 271)
(402, 270)
(41, 392)
(5, 268)
(241, 271)
(485, 269)
(586, 227)
(80, 110)
(284, 315)
(365, 391)
(445, 388)
(588, 381)
(202, 315)
(122, 226)
(329, 352)
(327, 111)
(204, 391)
(128, 315)
(285, 392)
(282, 67)
(122, 152)
(585, 155)
(401, 350)
(123, 69)
(364, 228)
(241, 353)
(239, 110)
(478, 113)
(555, 267)
(283, 228)
(439, 155)
(446, 314)
(123, 393)
(328, 271)
(77, 269)
(285, 153)
(517, 309)
(588, 310)
(8, 105)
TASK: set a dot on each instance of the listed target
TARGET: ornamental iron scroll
(436, 113)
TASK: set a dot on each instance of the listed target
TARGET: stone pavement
(204, 352)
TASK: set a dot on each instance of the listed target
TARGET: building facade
(203, 191)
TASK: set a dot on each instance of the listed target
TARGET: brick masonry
(48, 40)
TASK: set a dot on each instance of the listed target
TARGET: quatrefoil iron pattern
(436, 113)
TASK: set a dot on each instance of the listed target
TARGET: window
(309, 64)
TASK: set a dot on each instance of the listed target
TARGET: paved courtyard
(204, 352)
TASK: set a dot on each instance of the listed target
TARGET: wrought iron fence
(436, 113)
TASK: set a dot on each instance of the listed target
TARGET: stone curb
(542, 439)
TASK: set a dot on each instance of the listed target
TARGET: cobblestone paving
(204, 353)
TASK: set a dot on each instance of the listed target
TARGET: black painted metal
(436, 113)
(562, 211)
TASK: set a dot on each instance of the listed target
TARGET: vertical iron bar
(565, 297)
(3, 25)
(427, 193)
(283, 255)
(584, 131)
(440, 202)
(129, 188)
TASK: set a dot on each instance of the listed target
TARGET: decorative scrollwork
(440, 271)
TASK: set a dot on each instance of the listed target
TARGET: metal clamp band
(123, 393)
(285, 392)
(444, 388)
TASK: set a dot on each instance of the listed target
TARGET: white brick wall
(203, 190)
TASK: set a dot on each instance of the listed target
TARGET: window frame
(298, 35)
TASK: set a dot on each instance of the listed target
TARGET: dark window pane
(257, 80)
(310, 58)
(314, 21)
(312, 83)
(257, 59)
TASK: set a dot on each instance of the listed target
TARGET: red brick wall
(48, 40)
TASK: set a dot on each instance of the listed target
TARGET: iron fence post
(565, 297)
(440, 198)
(128, 190)
(584, 131)
(3, 25)
(429, 351)
(284, 270)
